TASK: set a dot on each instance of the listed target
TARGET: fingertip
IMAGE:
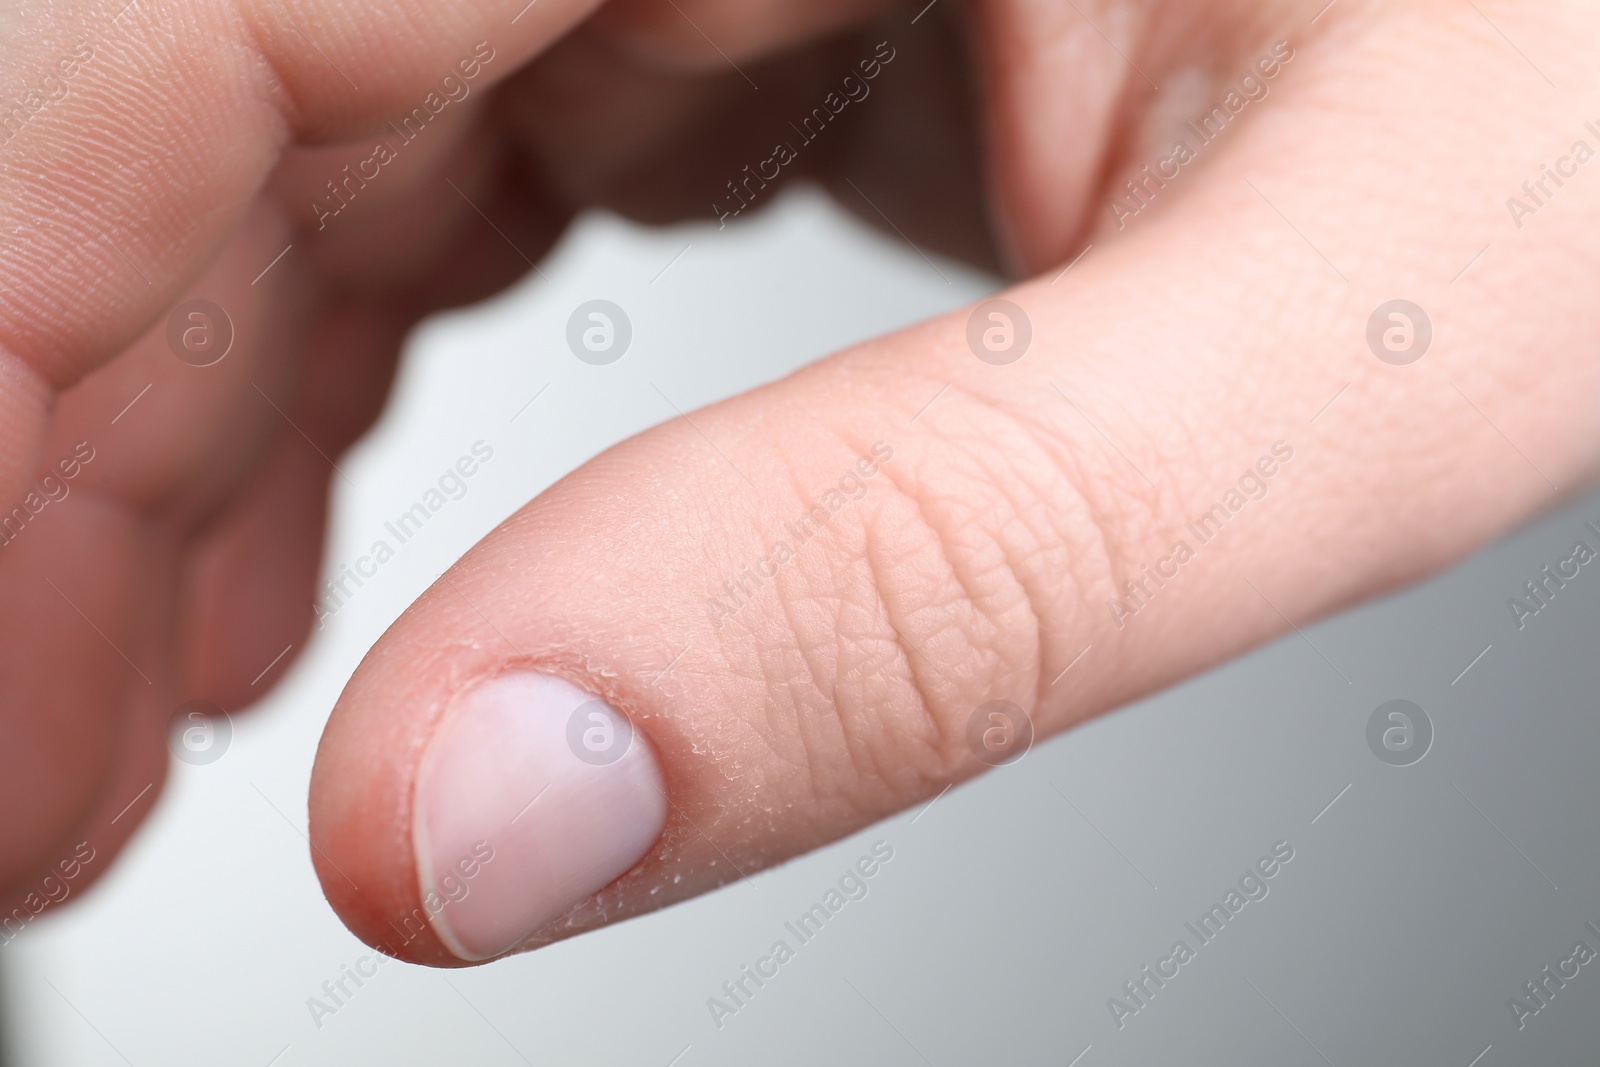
(519, 801)
(531, 796)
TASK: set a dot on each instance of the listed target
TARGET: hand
(958, 531)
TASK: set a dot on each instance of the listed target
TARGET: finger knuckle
(961, 576)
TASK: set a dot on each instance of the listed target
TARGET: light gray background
(1014, 906)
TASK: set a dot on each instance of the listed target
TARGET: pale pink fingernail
(531, 796)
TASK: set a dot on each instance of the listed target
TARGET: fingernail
(531, 796)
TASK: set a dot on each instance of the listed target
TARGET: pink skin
(977, 564)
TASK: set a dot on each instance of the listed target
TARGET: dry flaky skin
(1197, 334)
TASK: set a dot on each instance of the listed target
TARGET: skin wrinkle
(877, 651)
(1033, 596)
(811, 653)
(991, 659)
(938, 732)
(798, 719)
(1066, 455)
(866, 663)
(770, 739)
(940, 542)
(788, 606)
(855, 735)
(918, 499)
(830, 690)
(1079, 475)
(847, 714)
(885, 581)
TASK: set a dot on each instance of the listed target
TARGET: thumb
(708, 653)
(763, 626)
